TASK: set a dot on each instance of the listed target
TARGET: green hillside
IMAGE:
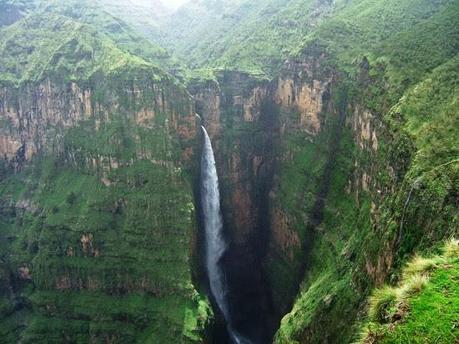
(48, 44)
(91, 247)
(254, 36)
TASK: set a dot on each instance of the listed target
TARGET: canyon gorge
(247, 172)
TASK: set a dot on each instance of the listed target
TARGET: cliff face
(242, 127)
(301, 87)
(28, 113)
(309, 124)
(248, 119)
(95, 223)
(31, 112)
(373, 207)
(232, 111)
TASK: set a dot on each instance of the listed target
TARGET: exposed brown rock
(306, 98)
(252, 105)
(283, 237)
(63, 283)
(378, 269)
(87, 243)
(364, 126)
(210, 101)
(243, 208)
(9, 146)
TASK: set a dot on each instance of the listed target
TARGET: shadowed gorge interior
(229, 171)
(249, 297)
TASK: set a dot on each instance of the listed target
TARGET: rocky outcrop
(283, 236)
(365, 126)
(302, 87)
(303, 93)
(208, 106)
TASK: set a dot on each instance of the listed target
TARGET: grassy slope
(145, 18)
(433, 315)
(258, 36)
(423, 308)
(410, 37)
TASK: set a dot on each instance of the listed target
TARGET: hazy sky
(169, 3)
(173, 3)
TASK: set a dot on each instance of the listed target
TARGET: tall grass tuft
(381, 303)
(451, 249)
(419, 265)
(412, 286)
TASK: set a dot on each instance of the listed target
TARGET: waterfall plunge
(213, 228)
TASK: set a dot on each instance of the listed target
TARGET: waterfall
(213, 228)
(213, 225)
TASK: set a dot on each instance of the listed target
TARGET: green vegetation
(123, 35)
(73, 52)
(252, 36)
(107, 251)
(423, 308)
(96, 230)
(95, 240)
(332, 287)
(145, 17)
(404, 41)
(409, 83)
(258, 36)
(74, 41)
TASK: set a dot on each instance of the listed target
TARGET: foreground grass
(423, 308)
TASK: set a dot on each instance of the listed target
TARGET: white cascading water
(213, 228)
